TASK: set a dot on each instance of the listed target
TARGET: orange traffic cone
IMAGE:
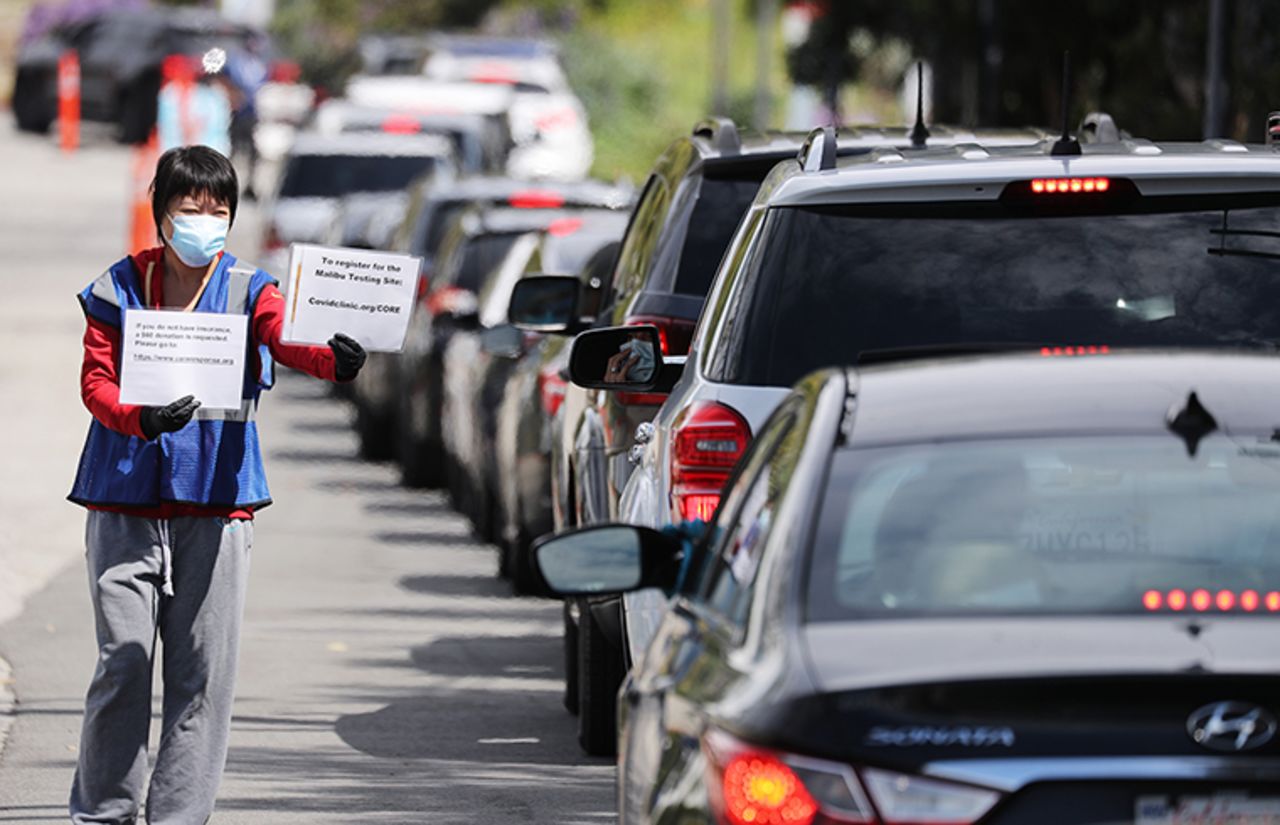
(69, 100)
(142, 226)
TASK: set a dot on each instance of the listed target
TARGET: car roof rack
(818, 154)
(722, 132)
(1099, 127)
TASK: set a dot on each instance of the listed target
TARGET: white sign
(366, 295)
(168, 355)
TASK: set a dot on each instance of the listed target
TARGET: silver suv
(1063, 249)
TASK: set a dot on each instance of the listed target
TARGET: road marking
(529, 740)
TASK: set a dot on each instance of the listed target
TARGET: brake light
(536, 199)
(674, 337)
(563, 227)
(559, 119)
(1202, 600)
(747, 785)
(1092, 349)
(272, 239)
(752, 786)
(551, 390)
(1051, 186)
(401, 125)
(708, 440)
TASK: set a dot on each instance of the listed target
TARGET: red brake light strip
(1064, 186)
(1202, 600)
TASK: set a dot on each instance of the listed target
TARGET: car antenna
(1066, 145)
(1191, 422)
(919, 132)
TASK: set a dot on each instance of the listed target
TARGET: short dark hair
(193, 170)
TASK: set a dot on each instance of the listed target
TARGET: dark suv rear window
(832, 285)
(721, 205)
(480, 255)
(331, 176)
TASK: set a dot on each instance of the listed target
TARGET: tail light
(398, 124)
(558, 119)
(753, 786)
(536, 199)
(452, 300)
(551, 389)
(674, 336)
(707, 442)
(272, 239)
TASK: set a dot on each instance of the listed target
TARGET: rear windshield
(832, 285)
(720, 206)
(480, 256)
(433, 226)
(331, 176)
(1064, 525)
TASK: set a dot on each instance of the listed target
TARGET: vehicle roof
(498, 187)
(850, 140)
(332, 115)
(507, 219)
(1020, 395)
(412, 93)
(973, 172)
(370, 143)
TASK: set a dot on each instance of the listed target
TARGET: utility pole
(766, 27)
(1214, 91)
(721, 43)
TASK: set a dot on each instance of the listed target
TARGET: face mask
(198, 238)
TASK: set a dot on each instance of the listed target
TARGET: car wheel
(570, 662)
(524, 576)
(138, 109)
(374, 433)
(599, 677)
(31, 112)
(419, 459)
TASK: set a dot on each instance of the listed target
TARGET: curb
(7, 702)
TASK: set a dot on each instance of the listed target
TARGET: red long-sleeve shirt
(100, 379)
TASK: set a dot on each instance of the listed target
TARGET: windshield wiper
(889, 354)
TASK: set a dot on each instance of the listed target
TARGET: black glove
(156, 420)
(348, 355)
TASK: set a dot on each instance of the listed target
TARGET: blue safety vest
(215, 460)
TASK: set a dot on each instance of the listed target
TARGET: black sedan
(1017, 589)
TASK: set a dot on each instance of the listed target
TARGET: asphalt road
(386, 674)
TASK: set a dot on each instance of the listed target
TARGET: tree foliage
(998, 62)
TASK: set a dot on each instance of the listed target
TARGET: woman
(171, 493)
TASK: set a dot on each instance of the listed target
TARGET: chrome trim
(1010, 775)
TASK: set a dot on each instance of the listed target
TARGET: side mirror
(617, 358)
(544, 303)
(608, 559)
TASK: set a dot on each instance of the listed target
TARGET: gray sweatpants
(133, 563)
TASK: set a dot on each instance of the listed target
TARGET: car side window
(636, 255)
(744, 522)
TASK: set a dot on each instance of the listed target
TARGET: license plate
(1207, 810)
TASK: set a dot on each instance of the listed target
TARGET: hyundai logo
(1231, 726)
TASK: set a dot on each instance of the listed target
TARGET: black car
(120, 52)
(401, 416)
(527, 421)
(1033, 588)
(478, 360)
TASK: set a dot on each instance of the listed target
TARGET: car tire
(420, 461)
(524, 575)
(570, 662)
(599, 677)
(31, 113)
(137, 109)
(374, 432)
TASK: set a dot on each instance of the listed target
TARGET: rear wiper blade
(888, 354)
(1243, 253)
